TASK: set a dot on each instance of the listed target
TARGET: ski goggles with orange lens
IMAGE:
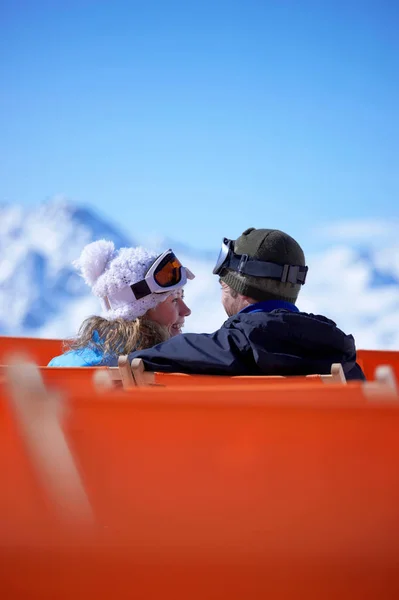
(165, 274)
(241, 263)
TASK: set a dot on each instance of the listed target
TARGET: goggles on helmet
(165, 274)
(241, 263)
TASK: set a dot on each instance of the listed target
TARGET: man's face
(232, 301)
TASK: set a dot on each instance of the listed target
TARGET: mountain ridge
(41, 294)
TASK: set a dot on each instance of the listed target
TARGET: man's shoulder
(283, 322)
(262, 317)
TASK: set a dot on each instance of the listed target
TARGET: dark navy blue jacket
(259, 342)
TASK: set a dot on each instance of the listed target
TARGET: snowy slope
(37, 281)
(352, 281)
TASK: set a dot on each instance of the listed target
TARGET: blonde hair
(118, 336)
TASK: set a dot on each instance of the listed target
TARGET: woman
(142, 299)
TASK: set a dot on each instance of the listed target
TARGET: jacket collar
(269, 305)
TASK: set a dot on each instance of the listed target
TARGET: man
(261, 274)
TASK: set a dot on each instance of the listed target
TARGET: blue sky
(198, 119)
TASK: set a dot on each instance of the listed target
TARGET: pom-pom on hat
(110, 273)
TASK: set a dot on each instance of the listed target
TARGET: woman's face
(171, 312)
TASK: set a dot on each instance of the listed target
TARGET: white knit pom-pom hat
(110, 273)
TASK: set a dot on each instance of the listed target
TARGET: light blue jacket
(83, 357)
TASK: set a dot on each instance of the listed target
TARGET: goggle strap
(140, 289)
(285, 273)
(294, 274)
(105, 304)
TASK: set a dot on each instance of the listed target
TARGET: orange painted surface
(370, 359)
(71, 380)
(40, 351)
(216, 493)
(181, 379)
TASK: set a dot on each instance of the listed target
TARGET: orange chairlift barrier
(206, 495)
(39, 350)
(142, 377)
(39, 413)
(369, 360)
(73, 379)
(77, 380)
(134, 375)
(384, 379)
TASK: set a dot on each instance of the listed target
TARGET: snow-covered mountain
(356, 284)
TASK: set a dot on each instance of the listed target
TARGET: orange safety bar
(144, 378)
(80, 381)
(184, 380)
(370, 359)
(213, 495)
(77, 379)
(74, 380)
(39, 350)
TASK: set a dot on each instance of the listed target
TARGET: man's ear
(248, 299)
